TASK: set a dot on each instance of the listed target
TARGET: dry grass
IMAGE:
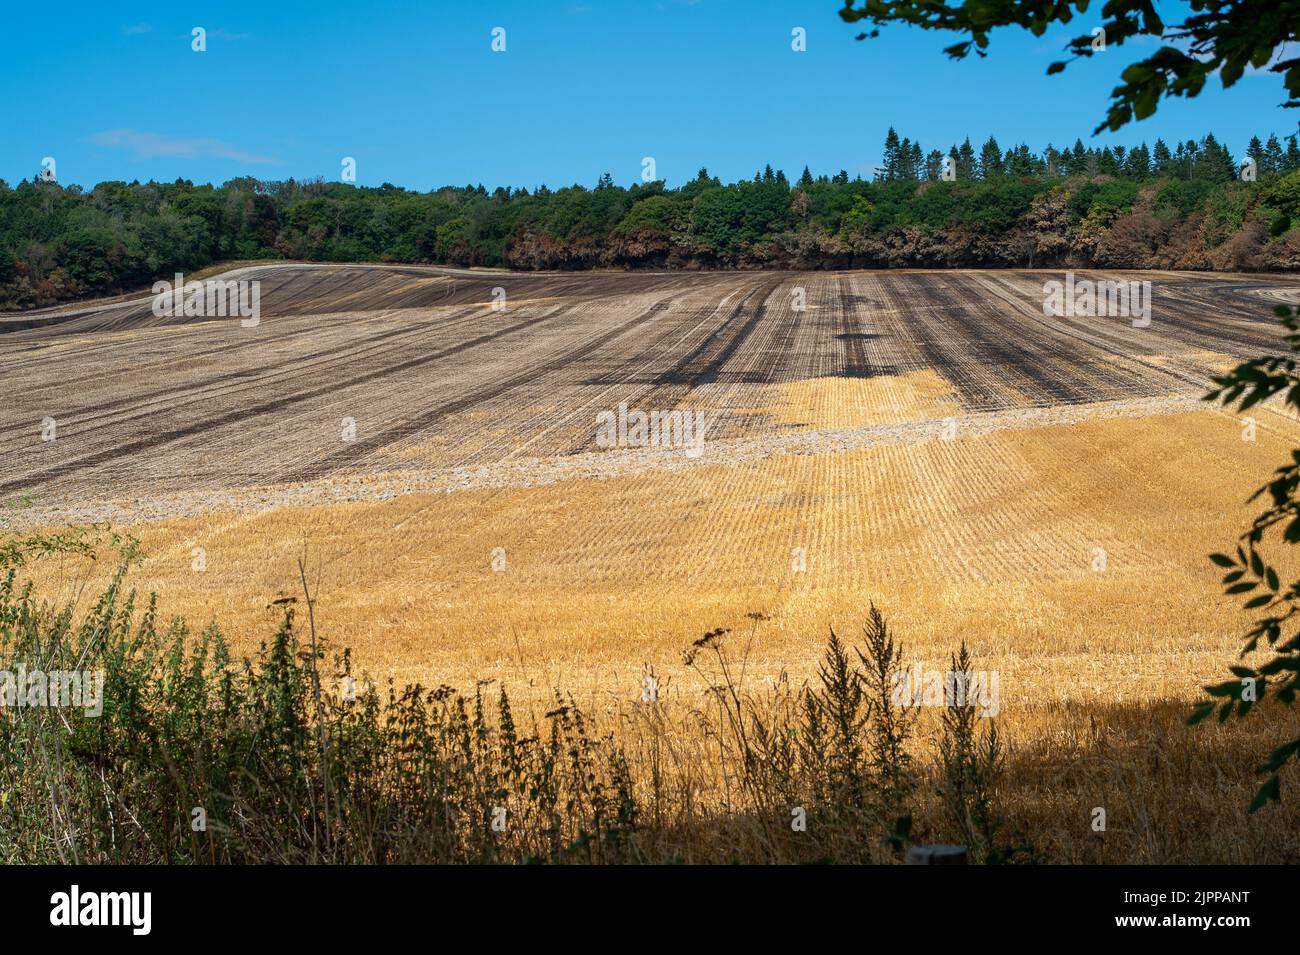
(862, 402)
(993, 534)
(989, 538)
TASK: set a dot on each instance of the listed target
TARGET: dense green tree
(966, 164)
(1107, 162)
(1213, 161)
(1137, 165)
(657, 213)
(1080, 160)
(1292, 161)
(1052, 161)
(915, 161)
(933, 165)
(58, 242)
(1273, 157)
(1162, 160)
(906, 168)
(990, 161)
(890, 161)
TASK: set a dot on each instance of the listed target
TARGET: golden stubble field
(1070, 557)
(1045, 490)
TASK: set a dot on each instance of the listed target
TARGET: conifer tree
(966, 160)
(990, 162)
(1273, 157)
(1292, 160)
(889, 163)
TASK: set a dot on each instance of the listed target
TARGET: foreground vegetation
(199, 758)
(1180, 207)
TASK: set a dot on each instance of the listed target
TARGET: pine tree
(1273, 158)
(904, 152)
(905, 170)
(806, 179)
(1292, 161)
(1191, 159)
(1215, 162)
(934, 166)
(1162, 159)
(1078, 159)
(990, 162)
(1255, 153)
(889, 164)
(1019, 162)
(1052, 161)
(966, 160)
(1138, 163)
(1107, 162)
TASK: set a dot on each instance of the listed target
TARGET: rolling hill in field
(1044, 487)
(438, 381)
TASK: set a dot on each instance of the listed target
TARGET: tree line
(1181, 207)
(1206, 159)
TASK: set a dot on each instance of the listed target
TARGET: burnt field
(363, 370)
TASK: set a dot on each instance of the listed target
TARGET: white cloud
(150, 145)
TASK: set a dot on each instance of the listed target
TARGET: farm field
(927, 440)
(1044, 488)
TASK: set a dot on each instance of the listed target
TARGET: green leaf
(1269, 792)
(1280, 755)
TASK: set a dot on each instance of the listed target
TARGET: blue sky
(415, 94)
